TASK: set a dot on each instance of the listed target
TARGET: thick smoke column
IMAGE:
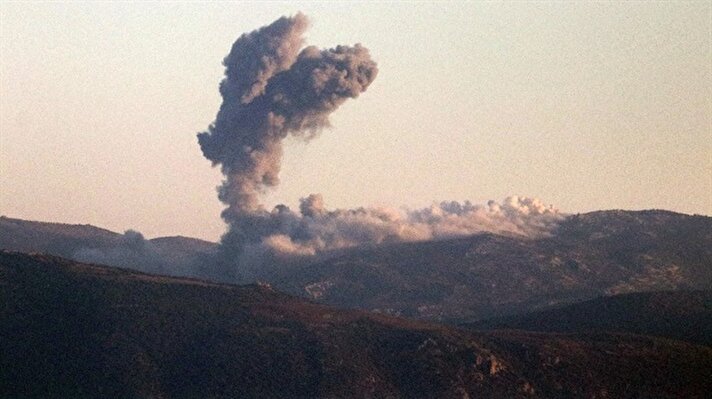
(273, 88)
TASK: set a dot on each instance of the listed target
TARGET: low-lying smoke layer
(273, 88)
(132, 250)
(315, 229)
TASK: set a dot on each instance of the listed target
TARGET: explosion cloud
(272, 89)
(275, 87)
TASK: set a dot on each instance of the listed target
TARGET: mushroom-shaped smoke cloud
(275, 87)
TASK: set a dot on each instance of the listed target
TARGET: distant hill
(79, 330)
(166, 255)
(486, 275)
(183, 244)
(64, 239)
(53, 238)
(683, 315)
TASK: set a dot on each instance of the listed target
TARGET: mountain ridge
(459, 279)
(489, 275)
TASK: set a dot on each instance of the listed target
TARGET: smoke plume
(275, 87)
(272, 89)
(131, 250)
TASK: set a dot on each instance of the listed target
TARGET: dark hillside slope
(77, 330)
(682, 315)
(603, 365)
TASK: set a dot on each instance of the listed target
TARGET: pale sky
(587, 106)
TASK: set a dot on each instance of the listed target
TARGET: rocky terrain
(80, 330)
(681, 315)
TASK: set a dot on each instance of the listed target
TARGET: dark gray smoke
(273, 88)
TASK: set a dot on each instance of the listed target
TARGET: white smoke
(316, 230)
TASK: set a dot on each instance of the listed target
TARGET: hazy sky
(584, 105)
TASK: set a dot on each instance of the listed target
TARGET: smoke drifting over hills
(131, 250)
(316, 229)
(273, 88)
